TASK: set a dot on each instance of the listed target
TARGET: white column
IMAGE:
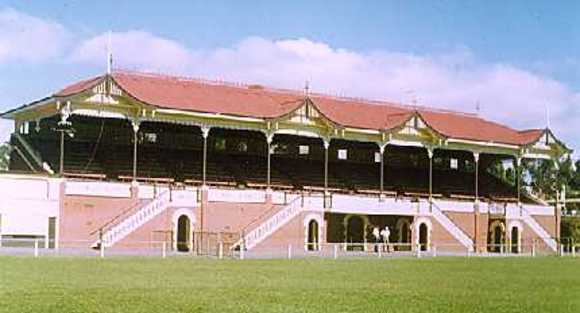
(430, 154)
(518, 174)
(269, 139)
(382, 168)
(476, 204)
(476, 159)
(326, 146)
(204, 133)
(135, 124)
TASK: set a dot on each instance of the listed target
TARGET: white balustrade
(98, 189)
(165, 198)
(272, 224)
(538, 229)
(450, 226)
(238, 196)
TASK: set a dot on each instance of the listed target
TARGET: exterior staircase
(130, 220)
(539, 230)
(30, 156)
(270, 225)
(450, 226)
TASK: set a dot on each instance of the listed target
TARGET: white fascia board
(483, 143)
(536, 156)
(363, 131)
(211, 115)
(296, 132)
(397, 142)
(98, 113)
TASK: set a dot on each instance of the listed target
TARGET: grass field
(363, 285)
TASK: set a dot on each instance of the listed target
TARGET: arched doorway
(312, 244)
(496, 236)
(423, 236)
(515, 240)
(355, 232)
(183, 233)
(404, 235)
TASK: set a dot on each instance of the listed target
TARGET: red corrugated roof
(261, 102)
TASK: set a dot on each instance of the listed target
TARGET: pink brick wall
(80, 215)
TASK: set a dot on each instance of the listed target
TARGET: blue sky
(514, 59)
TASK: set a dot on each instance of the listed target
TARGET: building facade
(129, 159)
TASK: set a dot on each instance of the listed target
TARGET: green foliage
(187, 284)
(547, 177)
(4, 156)
(571, 228)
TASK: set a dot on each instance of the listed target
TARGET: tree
(4, 156)
(547, 177)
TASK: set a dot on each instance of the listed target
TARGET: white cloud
(135, 49)
(29, 39)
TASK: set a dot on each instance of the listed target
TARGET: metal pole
(335, 251)
(221, 250)
(242, 248)
(61, 163)
(164, 250)
(102, 250)
(289, 252)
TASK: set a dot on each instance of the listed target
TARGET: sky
(515, 62)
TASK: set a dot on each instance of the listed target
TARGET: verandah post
(135, 123)
(476, 203)
(269, 139)
(382, 168)
(326, 143)
(204, 133)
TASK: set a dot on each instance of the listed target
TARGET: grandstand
(137, 156)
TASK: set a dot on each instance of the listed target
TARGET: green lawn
(58, 284)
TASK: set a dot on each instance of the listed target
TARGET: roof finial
(477, 107)
(306, 88)
(109, 54)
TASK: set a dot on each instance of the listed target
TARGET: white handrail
(272, 224)
(450, 226)
(135, 220)
(538, 229)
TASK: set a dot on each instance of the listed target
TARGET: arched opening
(515, 240)
(404, 235)
(312, 236)
(423, 236)
(497, 237)
(355, 232)
(183, 233)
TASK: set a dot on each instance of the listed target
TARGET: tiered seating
(105, 149)
(307, 174)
